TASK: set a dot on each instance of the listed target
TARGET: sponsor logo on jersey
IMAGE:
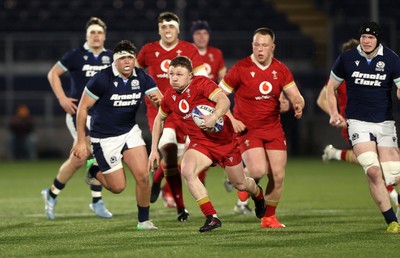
(164, 67)
(126, 99)
(368, 79)
(252, 74)
(91, 70)
(187, 116)
(183, 106)
(264, 88)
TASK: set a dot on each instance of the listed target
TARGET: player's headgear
(374, 29)
(124, 48)
(169, 18)
(95, 23)
(371, 28)
(200, 25)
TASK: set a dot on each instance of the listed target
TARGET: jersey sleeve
(288, 80)
(208, 87)
(396, 73)
(67, 61)
(164, 109)
(141, 58)
(231, 80)
(150, 85)
(96, 86)
(338, 71)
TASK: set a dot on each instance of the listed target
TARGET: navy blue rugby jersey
(83, 65)
(117, 102)
(369, 83)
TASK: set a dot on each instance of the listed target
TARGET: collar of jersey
(262, 67)
(378, 53)
(86, 47)
(116, 73)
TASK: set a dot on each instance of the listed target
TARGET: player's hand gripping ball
(205, 110)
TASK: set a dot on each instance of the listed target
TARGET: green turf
(326, 208)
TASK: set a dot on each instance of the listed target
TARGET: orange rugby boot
(271, 222)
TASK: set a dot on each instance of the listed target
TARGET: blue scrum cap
(200, 25)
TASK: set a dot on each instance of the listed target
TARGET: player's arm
(322, 101)
(80, 148)
(54, 77)
(238, 126)
(335, 118)
(297, 100)
(155, 138)
(155, 97)
(284, 103)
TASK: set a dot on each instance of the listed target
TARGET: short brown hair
(98, 21)
(265, 31)
(182, 61)
(125, 45)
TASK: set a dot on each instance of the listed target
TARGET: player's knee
(77, 163)
(188, 173)
(391, 172)
(256, 172)
(279, 176)
(117, 189)
(142, 179)
(369, 162)
(374, 175)
(240, 186)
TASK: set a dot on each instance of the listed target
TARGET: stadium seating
(137, 16)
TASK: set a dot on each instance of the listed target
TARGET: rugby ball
(205, 110)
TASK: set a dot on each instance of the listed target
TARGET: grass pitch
(327, 210)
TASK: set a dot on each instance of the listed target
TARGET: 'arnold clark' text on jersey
(82, 66)
(368, 82)
(117, 101)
